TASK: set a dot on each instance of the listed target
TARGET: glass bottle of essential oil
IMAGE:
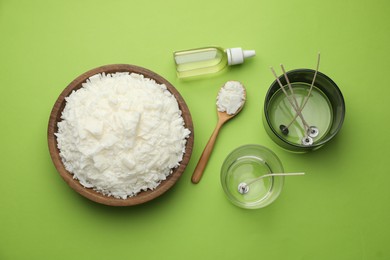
(208, 60)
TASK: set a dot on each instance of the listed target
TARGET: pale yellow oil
(198, 62)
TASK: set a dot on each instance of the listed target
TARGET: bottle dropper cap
(237, 55)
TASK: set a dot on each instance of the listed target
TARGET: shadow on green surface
(146, 208)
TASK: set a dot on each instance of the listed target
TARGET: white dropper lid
(237, 55)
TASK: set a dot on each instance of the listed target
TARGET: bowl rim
(285, 143)
(89, 193)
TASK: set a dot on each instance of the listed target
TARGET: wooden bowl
(89, 193)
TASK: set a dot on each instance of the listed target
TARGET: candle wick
(309, 93)
(243, 187)
(311, 131)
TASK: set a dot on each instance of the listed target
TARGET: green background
(339, 210)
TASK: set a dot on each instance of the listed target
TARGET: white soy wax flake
(121, 133)
(231, 97)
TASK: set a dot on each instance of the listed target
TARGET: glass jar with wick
(252, 176)
(303, 109)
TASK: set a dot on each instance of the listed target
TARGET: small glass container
(323, 112)
(200, 61)
(243, 165)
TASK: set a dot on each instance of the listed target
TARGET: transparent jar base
(317, 112)
(245, 164)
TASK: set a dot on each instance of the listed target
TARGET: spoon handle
(204, 158)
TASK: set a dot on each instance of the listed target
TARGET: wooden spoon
(223, 117)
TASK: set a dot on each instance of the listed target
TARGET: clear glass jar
(243, 165)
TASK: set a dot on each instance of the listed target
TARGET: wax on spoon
(230, 101)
